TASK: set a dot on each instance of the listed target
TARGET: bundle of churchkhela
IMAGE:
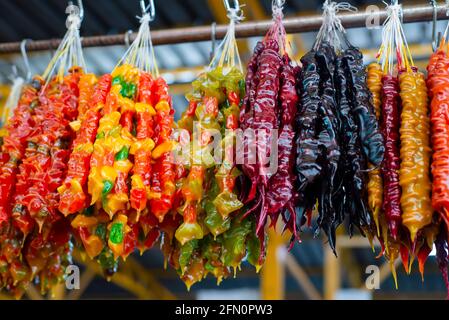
(216, 231)
(438, 86)
(401, 194)
(120, 183)
(35, 237)
(267, 121)
(338, 134)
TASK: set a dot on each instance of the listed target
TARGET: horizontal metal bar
(243, 30)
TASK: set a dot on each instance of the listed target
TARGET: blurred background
(310, 270)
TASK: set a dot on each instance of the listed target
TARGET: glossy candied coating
(263, 113)
(107, 178)
(260, 118)
(15, 274)
(28, 252)
(163, 174)
(308, 169)
(115, 192)
(48, 255)
(438, 84)
(375, 183)
(351, 199)
(86, 87)
(364, 113)
(329, 139)
(348, 135)
(226, 201)
(374, 83)
(215, 234)
(141, 149)
(73, 192)
(219, 256)
(192, 186)
(47, 167)
(19, 127)
(210, 187)
(246, 120)
(198, 122)
(266, 104)
(391, 163)
(280, 194)
(414, 175)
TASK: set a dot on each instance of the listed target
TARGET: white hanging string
(277, 31)
(69, 53)
(332, 28)
(13, 99)
(277, 7)
(227, 53)
(394, 44)
(141, 52)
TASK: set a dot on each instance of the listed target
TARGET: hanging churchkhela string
(403, 214)
(38, 142)
(124, 185)
(437, 84)
(338, 132)
(215, 234)
(390, 217)
(267, 119)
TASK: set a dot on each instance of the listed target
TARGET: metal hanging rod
(243, 30)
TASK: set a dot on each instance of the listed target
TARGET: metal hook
(150, 7)
(81, 7)
(213, 35)
(25, 58)
(127, 36)
(435, 41)
(228, 6)
(278, 3)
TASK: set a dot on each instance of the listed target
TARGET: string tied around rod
(332, 25)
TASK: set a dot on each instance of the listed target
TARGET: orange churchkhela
(414, 174)
(375, 186)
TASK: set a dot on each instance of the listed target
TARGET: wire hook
(435, 41)
(81, 7)
(278, 3)
(277, 6)
(23, 45)
(228, 5)
(75, 14)
(150, 7)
